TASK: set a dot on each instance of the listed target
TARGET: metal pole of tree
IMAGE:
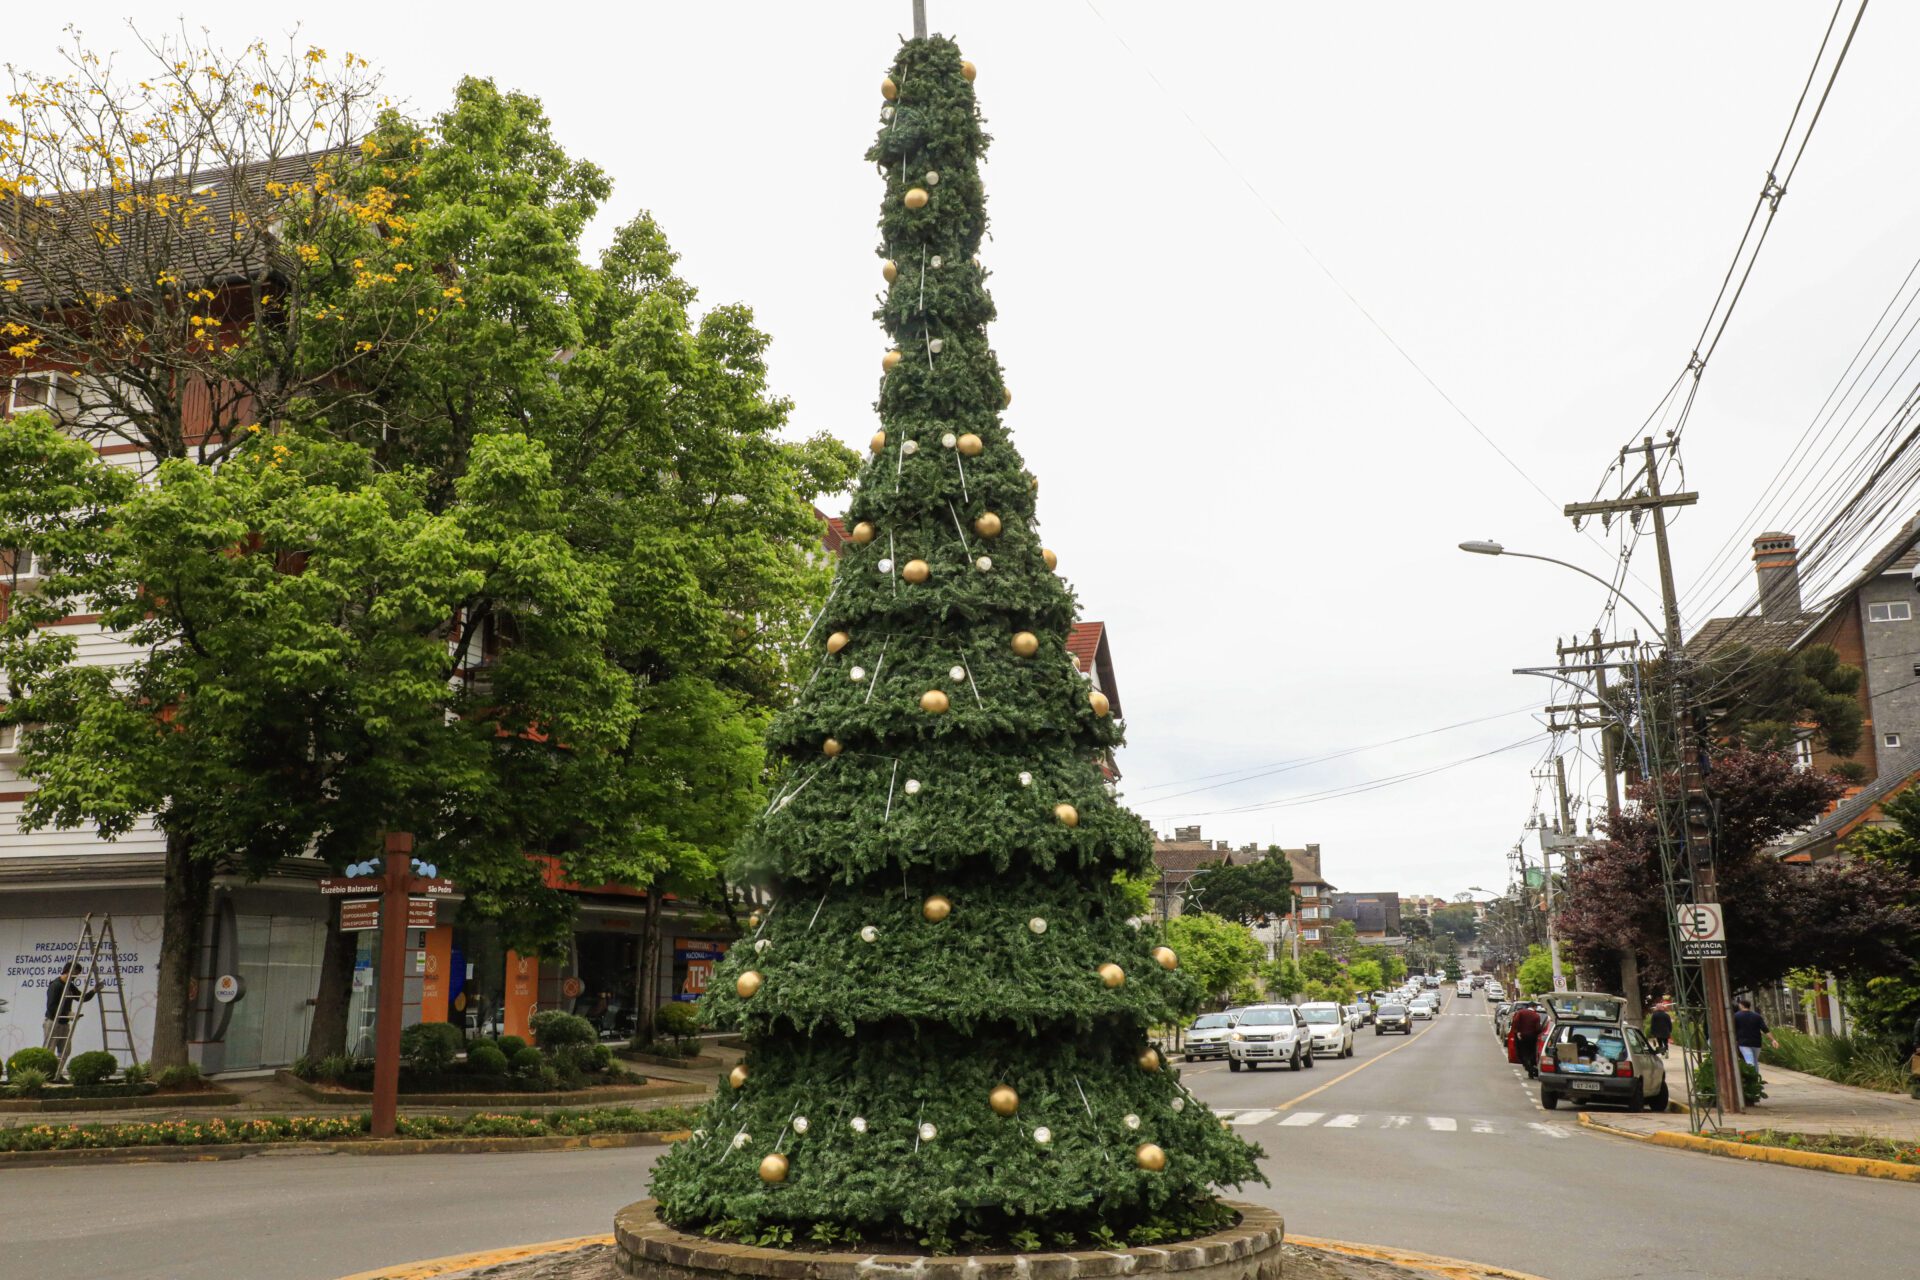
(393, 981)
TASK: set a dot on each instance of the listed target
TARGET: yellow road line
(470, 1261)
(1354, 1071)
(1452, 1268)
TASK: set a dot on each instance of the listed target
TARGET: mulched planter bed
(698, 1060)
(595, 1096)
(1833, 1144)
(126, 1098)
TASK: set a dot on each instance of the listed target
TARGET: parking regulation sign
(1703, 931)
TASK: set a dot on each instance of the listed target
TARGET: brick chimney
(1776, 563)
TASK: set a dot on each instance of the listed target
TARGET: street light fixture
(1488, 547)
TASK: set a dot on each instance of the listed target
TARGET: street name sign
(363, 913)
(1703, 931)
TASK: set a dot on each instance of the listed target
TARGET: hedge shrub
(552, 1029)
(33, 1058)
(431, 1047)
(486, 1060)
(93, 1067)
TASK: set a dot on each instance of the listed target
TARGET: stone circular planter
(649, 1248)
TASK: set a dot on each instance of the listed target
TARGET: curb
(605, 1095)
(345, 1147)
(1857, 1166)
(431, 1268)
(1449, 1268)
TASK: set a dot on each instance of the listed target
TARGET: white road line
(1442, 1124)
(1397, 1122)
(1343, 1122)
(1254, 1117)
(1484, 1126)
(1551, 1130)
(1300, 1118)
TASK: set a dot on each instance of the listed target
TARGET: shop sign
(228, 987)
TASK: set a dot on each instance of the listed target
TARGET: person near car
(1527, 1024)
(1660, 1030)
(1750, 1031)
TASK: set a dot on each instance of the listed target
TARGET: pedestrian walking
(1750, 1031)
(1660, 1029)
(64, 998)
(1526, 1026)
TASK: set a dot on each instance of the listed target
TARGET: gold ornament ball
(1146, 1155)
(831, 747)
(987, 524)
(916, 198)
(1052, 560)
(968, 71)
(879, 440)
(747, 983)
(1025, 643)
(1098, 701)
(773, 1168)
(1068, 815)
(1112, 975)
(753, 921)
(887, 361)
(890, 270)
(1165, 958)
(933, 701)
(888, 89)
(1006, 397)
(916, 571)
(970, 444)
(936, 908)
(1003, 1100)
(862, 533)
(1149, 1059)
(738, 1076)
(838, 641)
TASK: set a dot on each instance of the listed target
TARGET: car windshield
(1321, 1015)
(1267, 1018)
(1393, 1010)
(1208, 1021)
(1590, 1040)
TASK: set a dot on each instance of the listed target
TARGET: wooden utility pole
(397, 875)
(1607, 720)
(1718, 1011)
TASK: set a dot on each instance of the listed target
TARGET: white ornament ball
(1178, 1104)
(699, 1135)
(928, 1133)
(1026, 779)
(800, 1124)
(984, 564)
(1043, 1135)
(913, 786)
(869, 934)
(886, 113)
(741, 1139)
(761, 945)
(885, 565)
(1036, 926)
(854, 483)
(956, 674)
(909, 448)
(858, 1124)
(1134, 922)
(936, 344)
(857, 674)
(1131, 1121)
(933, 180)
(949, 440)
(938, 261)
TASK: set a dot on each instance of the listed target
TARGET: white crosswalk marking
(1442, 1124)
(1550, 1130)
(1300, 1118)
(1343, 1122)
(1254, 1117)
(1397, 1122)
(1484, 1126)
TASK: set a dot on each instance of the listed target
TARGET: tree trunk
(188, 881)
(647, 998)
(329, 1035)
(1630, 984)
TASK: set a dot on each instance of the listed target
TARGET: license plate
(1593, 1085)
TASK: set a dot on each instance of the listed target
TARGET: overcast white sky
(1243, 479)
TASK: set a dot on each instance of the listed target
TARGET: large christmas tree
(947, 1002)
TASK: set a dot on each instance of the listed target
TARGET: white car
(1496, 992)
(1329, 1028)
(1463, 989)
(1207, 1037)
(1422, 1008)
(1268, 1033)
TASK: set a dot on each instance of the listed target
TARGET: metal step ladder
(98, 956)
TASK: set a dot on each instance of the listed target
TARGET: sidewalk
(267, 1095)
(1797, 1103)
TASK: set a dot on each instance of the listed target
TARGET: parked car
(1392, 1016)
(1328, 1029)
(1268, 1033)
(1501, 1012)
(1359, 1015)
(1593, 1060)
(1495, 991)
(1207, 1036)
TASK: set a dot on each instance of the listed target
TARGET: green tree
(1765, 698)
(1220, 954)
(947, 957)
(1343, 940)
(1282, 977)
(1319, 965)
(1535, 974)
(1452, 968)
(1457, 921)
(1888, 1002)
(1366, 975)
(1251, 893)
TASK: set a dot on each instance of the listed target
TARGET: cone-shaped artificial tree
(947, 1003)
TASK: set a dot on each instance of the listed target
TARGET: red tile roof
(1087, 642)
(836, 532)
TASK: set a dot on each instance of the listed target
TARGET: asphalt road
(1429, 1143)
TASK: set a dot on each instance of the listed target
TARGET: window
(1311, 935)
(1890, 611)
(1891, 739)
(50, 393)
(1803, 751)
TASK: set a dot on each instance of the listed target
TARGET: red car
(1530, 1020)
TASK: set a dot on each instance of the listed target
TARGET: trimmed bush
(527, 1061)
(45, 1061)
(602, 1057)
(486, 1060)
(136, 1073)
(93, 1067)
(553, 1029)
(679, 1019)
(431, 1047)
(182, 1077)
(510, 1045)
(29, 1080)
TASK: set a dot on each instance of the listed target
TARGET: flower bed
(220, 1131)
(1833, 1144)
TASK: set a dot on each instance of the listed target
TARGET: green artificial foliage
(877, 1028)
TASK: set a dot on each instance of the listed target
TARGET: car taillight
(1623, 1068)
(1547, 1065)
